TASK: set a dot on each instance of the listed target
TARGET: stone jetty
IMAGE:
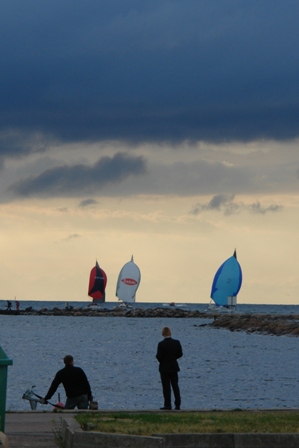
(115, 312)
(277, 325)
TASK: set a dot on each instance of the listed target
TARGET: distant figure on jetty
(17, 305)
(8, 305)
(168, 351)
(75, 383)
(67, 307)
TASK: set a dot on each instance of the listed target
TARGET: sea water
(219, 370)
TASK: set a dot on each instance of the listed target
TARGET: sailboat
(227, 283)
(128, 282)
(97, 284)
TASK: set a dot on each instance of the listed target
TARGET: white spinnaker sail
(128, 282)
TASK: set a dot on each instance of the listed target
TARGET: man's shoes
(166, 408)
(177, 408)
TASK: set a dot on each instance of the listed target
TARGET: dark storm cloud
(80, 179)
(257, 208)
(226, 204)
(87, 202)
(144, 71)
(16, 143)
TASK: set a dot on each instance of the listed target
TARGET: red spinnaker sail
(97, 284)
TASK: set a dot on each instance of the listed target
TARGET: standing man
(168, 351)
(75, 383)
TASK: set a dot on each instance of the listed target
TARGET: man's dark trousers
(170, 380)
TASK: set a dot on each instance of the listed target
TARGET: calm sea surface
(219, 369)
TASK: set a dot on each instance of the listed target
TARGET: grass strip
(148, 423)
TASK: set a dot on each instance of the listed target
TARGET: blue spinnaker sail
(227, 281)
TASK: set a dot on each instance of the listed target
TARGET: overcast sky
(167, 130)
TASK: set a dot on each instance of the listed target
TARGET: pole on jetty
(4, 362)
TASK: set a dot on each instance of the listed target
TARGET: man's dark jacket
(168, 351)
(74, 381)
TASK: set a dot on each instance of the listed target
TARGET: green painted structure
(4, 362)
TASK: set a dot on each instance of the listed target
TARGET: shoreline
(278, 325)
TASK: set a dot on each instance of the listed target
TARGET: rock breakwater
(116, 312)
(278, 325)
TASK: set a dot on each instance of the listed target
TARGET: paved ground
(32, 429)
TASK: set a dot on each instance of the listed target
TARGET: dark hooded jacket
(74, 382)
